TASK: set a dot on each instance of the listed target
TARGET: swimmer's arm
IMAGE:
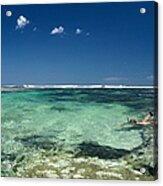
(143, 123)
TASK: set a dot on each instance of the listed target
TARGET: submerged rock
(145, 156)
(9, 157)
(37, 142)
(95, 150)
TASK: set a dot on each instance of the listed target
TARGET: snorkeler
(146, 121)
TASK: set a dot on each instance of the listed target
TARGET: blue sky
(104, 43)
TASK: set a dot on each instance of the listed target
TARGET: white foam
(30, 86)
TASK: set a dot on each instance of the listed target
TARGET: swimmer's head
(133, 121)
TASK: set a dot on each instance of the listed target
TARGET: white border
(11, 2)
(43, 182)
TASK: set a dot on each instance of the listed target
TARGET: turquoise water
(77, 133)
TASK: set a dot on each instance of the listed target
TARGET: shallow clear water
(71, 122)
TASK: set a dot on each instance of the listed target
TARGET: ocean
(80, 133)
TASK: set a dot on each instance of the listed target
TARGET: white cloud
(34, 29)
(78, 31)
(151, 77)
(87, 34)
(57, 30)
(22, 22)
(114, 79)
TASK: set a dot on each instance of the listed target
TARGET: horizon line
(44, 86)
